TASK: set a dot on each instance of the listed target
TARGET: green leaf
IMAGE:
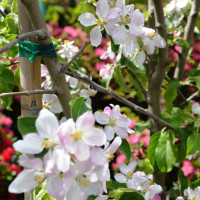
(171, 93)
(120, 80)
(193, 143)
(181, 152)
(195, 184)
(139, 127)
(131, 195)
(126, 194)
(183, 182)
(26, 125)
(17, 77)
(92, 197)
(112, 184)
(125, 148)
(166, 151)
(11, 21)
(78, 107)
(152, 147)
(114, 47)
(6, 102)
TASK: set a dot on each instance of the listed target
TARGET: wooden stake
(30, 76)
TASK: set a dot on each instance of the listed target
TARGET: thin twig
(28, 93)
(188, 36)
(189, 99)
(65, 67)
(39, 33)
(120, 99)
(2, 13)
(138, 82)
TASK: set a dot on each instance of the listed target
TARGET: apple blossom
(105, 71)
(68, 50)
(101, 156)
(192, 194)
(196, 108)
(33, 143)
(106, 18)
(133, 180)
(108, 53)
(176, 5)
(51, 101)
(115, 122)
(77, 138)
(152, 191)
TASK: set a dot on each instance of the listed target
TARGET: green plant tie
(29, 49)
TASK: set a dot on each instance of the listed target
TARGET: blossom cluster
(126, 27)
(74, 164)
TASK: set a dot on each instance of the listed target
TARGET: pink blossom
(120, 159)
(105, 71)
(187, 168)
(99, 51)
(71, 31)
(7, 121)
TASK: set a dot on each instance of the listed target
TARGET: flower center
(110, 156)
(193, 198)
(127, 20)
(77, 135)
(93, 93)
(84, 181)
(66, 43)
(129, 175)
(113, 120)
(99, 21)
(39, 177)
(47, 144)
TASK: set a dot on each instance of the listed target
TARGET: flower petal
(114, 145)
(86, 120)
(139, 60)
(47, 124)
(101, 118)
(97, 156)
(94, 137)
(96, 36)
(109, 130)
(122, 132)
(87, 19)
(119, 177)
(24, 182)
(102, 8)
(83, 151)
(31, 144)
(119, 35)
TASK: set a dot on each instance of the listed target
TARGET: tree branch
(2, 13)
(59, 82)
(188, 36)
(39, 33)
(27, 93)
(120, 99)
(65, 67)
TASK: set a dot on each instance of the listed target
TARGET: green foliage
(166, 151)
(78, 107)
(40, 193)
(6, 85)
(193, 143)
(125, 148)
(139, 127)
(26, 125)
(183, 182)
(171, 93)
(120, 80)
(125, 194)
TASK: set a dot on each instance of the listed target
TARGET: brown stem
(2, 13)
(188, 36)
(53, 65)
(39, 33)
(65, 67)
(27, 93)
(120, 99)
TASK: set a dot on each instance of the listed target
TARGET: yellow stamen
(47, 144)
(99, 21)
(110, 156)
(93, 93)
(152, 34)
(108, 43)
(84, 181)
(39, 178)
(77, 135)
(127, 20)
(113, 120)
(129, 175)
(66, 43)
(193, 198)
